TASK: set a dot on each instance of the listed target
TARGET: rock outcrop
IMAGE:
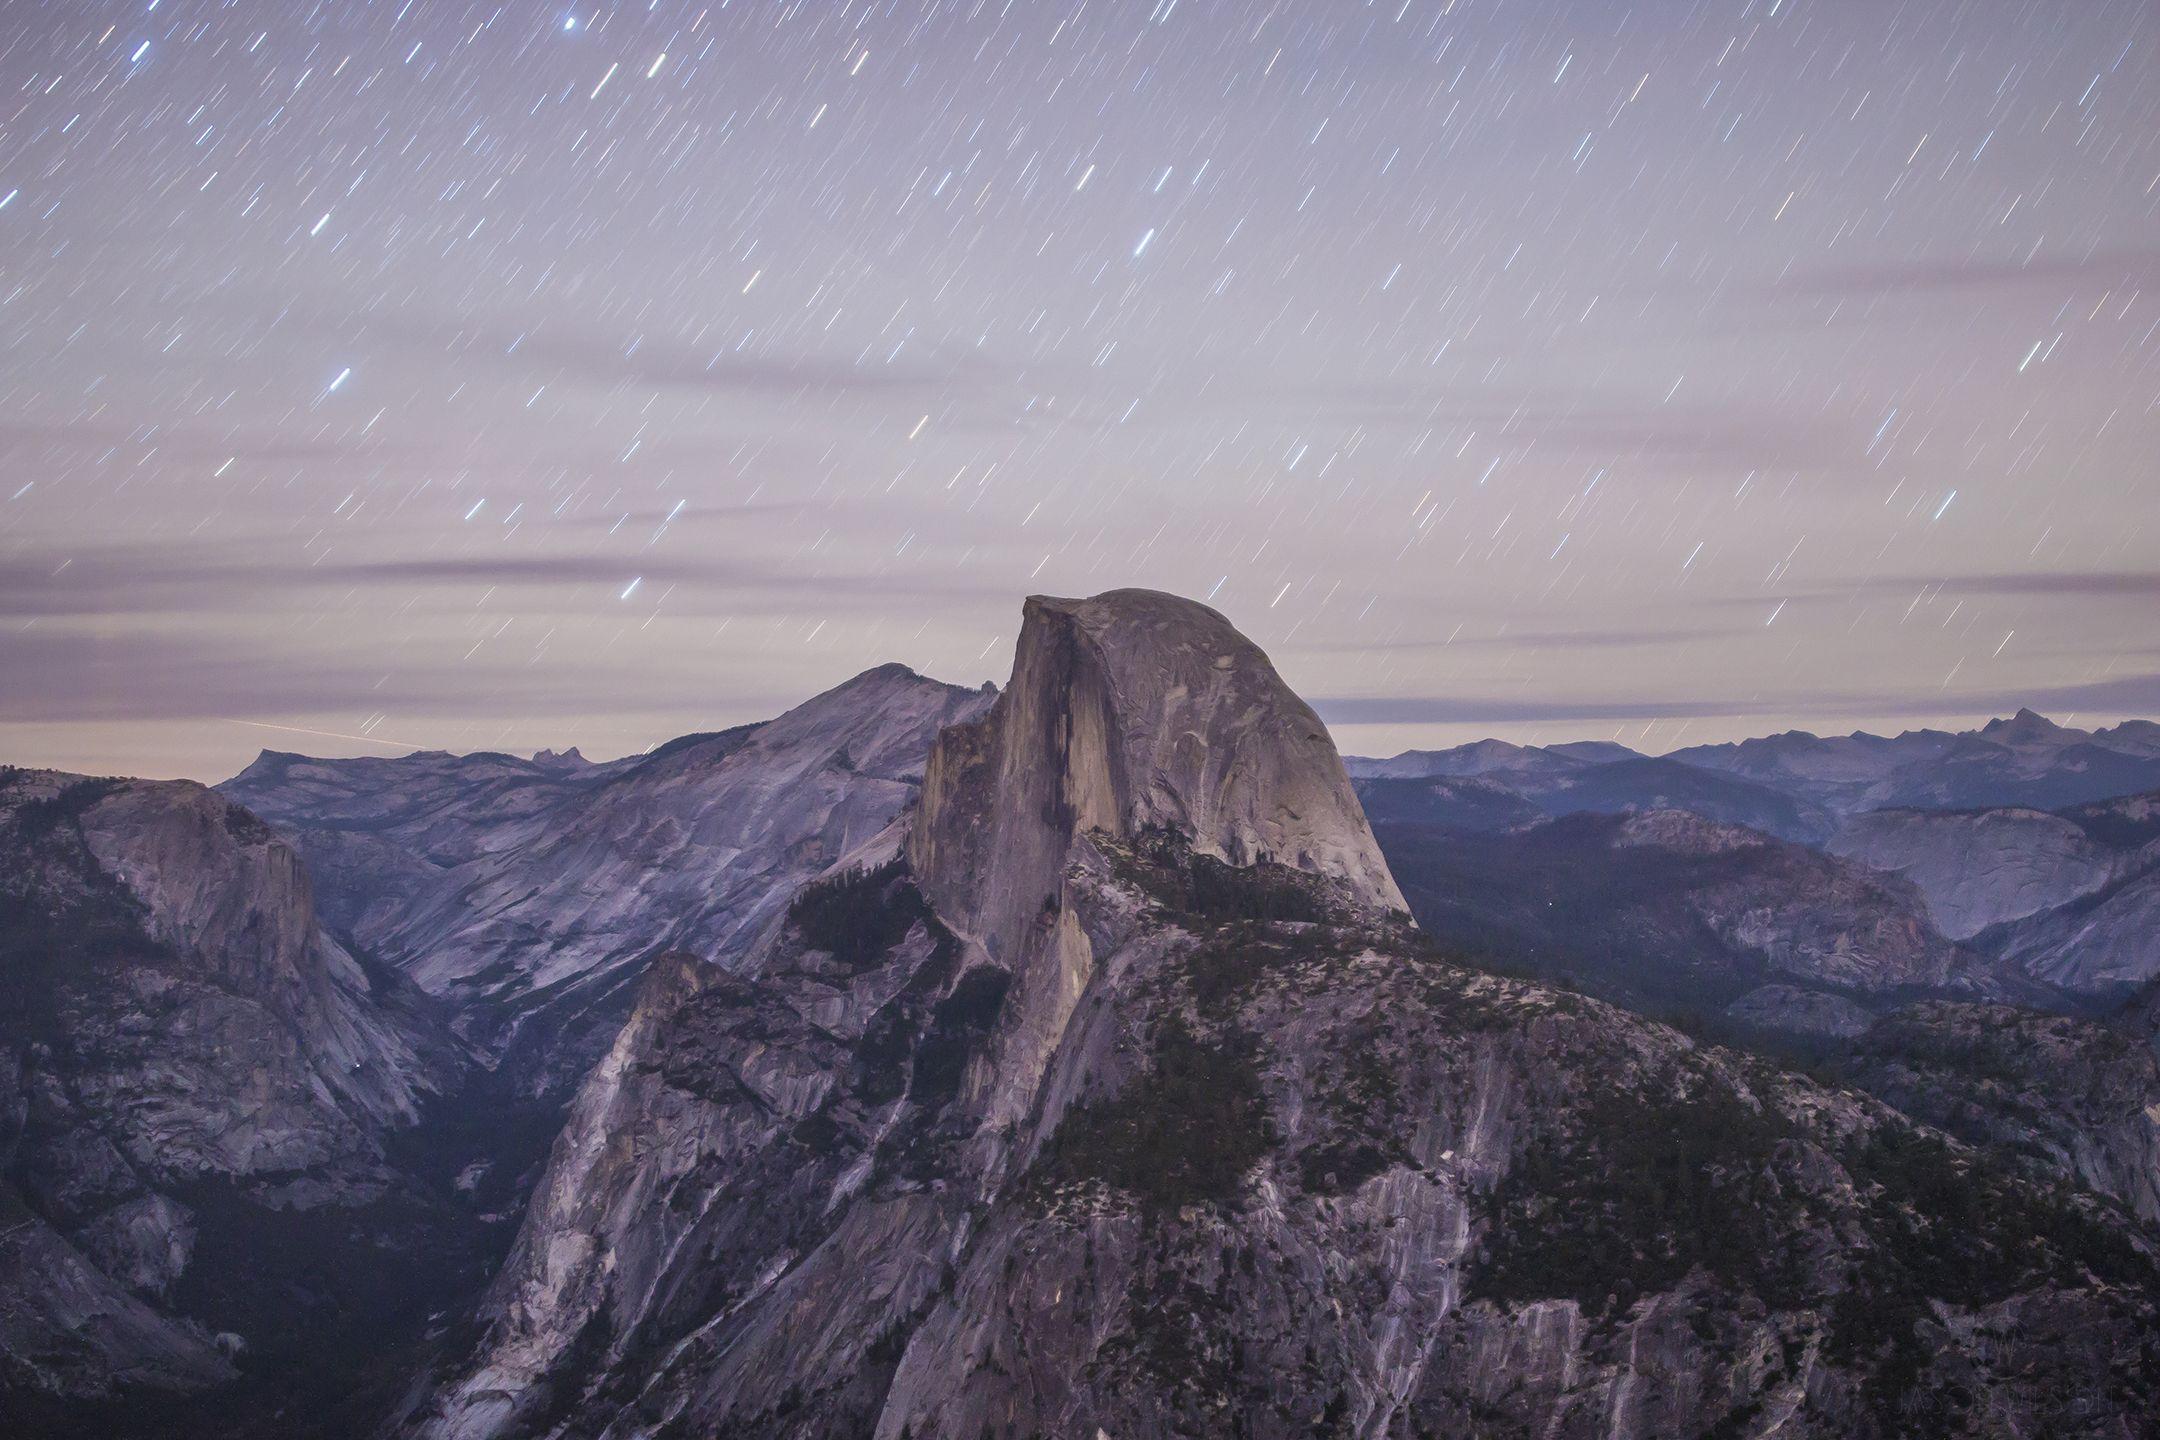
(2102, 947)
(1130, 715)
(1984, 868)
(1062, 1061)
(2077, 1098)
(185, 1054)
(1791, 1010)
(2067, 900)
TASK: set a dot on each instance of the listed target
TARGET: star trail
(518, 375)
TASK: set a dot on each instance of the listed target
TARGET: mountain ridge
(531, 897)
(1084, 1114)
(937, 1059)
(2024, 759)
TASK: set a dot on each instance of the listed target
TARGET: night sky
(517, 375)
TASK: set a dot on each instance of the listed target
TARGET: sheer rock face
(2104, 947)
(1313, 1178)
(725, 1212)
(1078, 1118)
(1978, 870)
(220, 890)
(1808, 916)
(70, 1331)
(1129, 712)
(181, 1043)
(2068, 900)
(215, 1028)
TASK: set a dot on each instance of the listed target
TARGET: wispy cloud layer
(1950, 274)
(2129, 694)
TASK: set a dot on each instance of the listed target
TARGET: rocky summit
(1065, 1060)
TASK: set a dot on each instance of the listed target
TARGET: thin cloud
(1953, 274)
(597, 359)
(1547, 640)
(2064, 584)
(73, 676)
(2123, 695)
(145, 580)
(70, 676)
(1531, 424)
(1470, 710)
(190, 443)
(2139, 583)
(581, 353)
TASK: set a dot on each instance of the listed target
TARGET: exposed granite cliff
(2103, 946)
(185, 1056)
(1130, 712)
(1981, 869)
(2068, 900)
(1129, 715)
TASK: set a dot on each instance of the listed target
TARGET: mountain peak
(890, 670)
(1130, 715)
(879, 684)
(2026, 727)
(1131, 711)
(1211, 741)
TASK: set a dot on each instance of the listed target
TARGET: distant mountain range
(1063, 1061)
(1799, 785)
(2030, 844)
